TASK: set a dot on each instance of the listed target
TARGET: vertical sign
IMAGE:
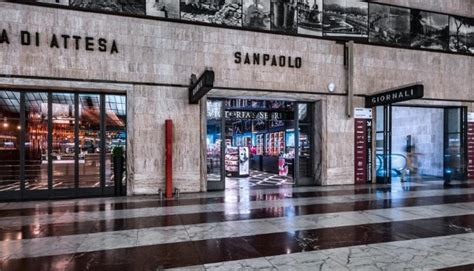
(363, 145)
(470, 146)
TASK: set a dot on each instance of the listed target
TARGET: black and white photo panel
(225, 12)
(256, 14)
(461, 34)
(310, 17)
(345, 19)
(57, 2)
(429, 30)
(122, 6)
(163, 8)
(284, 16)
(389, 25)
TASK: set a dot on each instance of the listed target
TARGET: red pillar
(169, 158)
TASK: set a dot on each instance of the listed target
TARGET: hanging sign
(363, 145)
(201, 86)
(470, 146)
(395, 96)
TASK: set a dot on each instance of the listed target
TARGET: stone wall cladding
(457, 7)
(148, 108)
(152, 51)
(378, 68)
(164, 52)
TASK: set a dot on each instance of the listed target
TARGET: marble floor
(403, 226)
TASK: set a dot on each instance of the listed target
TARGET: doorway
(259, 143)
(59, 144)
(420, 143)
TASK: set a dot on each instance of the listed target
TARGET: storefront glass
(89, 140)
(305, 140)
(261, 141)
(116, 131)
(9, 141)
(63, 148)
(36, 141)
(214, 140)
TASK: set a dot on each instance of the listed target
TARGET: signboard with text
(363, 145)
(201, 86)
(394, 96)
(470, 146)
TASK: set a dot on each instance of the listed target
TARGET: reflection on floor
(402, 226)
(260, 179)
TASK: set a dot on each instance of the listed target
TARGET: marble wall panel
(164, 52)
(148, 108)
(445, 76)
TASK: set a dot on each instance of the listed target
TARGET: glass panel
(305, 161)
(9, 141)
(454, 120)
(379, 119)
(214, 140)
(63, 140)
(305, 119)
(36, 141)
(453, 154)
(89, 140)
(116, 131)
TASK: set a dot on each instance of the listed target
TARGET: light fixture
(331, 87)
(5, 123)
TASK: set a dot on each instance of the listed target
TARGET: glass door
(59, 144)
(89, 147)
(215, 146)
(304, 174)
(383, 143)
(455, 123)
(10, 147)
(63, 151)
(36, 130)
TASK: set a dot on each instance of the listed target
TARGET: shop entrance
(59, 144)
(259, 143)
(420, 143)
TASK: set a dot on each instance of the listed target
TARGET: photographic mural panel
(225, 12)
(57, 2)
(346, 19)
(310, 17)
(357, 20)
(429, 30)
(461, 34)
(389, 25)
(256, 14)
(284, 16)
(163, 8)
(121, 6)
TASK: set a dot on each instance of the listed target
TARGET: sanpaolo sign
(394, 96)
(201, 86)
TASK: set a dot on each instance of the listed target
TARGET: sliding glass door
(59, 144)
(455, 122)
(10, 161)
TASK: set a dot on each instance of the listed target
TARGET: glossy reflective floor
(370, 227)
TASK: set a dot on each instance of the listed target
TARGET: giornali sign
(64, 41)
(395, 96)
